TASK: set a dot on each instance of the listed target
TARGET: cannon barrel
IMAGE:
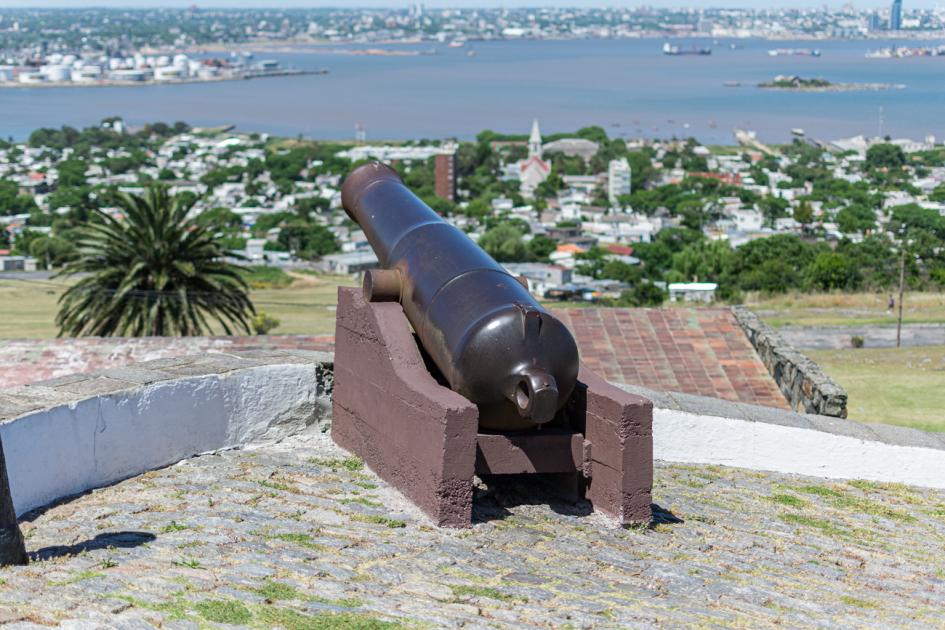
(489, 338)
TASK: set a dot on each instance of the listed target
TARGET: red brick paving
(694, 351)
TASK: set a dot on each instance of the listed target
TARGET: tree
(804, 213)
(830, 270)
(856, 218)
(12, 202)
(883, 155)
(71, 173)
(703, 261)
(156, 273)
(643, 294)
(540, 247)
(308, 240)
(772, 265)
(504, 243)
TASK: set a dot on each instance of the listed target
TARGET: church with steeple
(533, 170)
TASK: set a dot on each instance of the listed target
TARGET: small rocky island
(801, 84)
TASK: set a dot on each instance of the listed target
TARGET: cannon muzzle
(490, 339)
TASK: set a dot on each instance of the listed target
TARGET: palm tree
(154, 273)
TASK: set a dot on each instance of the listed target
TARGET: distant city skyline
(460, 4)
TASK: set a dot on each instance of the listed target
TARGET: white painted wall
(95, 442)
(679, 436)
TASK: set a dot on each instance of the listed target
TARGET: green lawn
(904, 386)
(306, 307)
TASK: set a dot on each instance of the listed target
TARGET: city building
(895, 15)
(445, 173)
(618, 180)
(533, 170)
(573, 147)
(692, 292)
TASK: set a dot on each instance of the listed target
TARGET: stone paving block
(904, 436)
(96, 386)
(19, 400)
(769, 415)
(168, 362)
(134, 374)
(838, 426)
(62, 380)
(733, 558)
(703, 405)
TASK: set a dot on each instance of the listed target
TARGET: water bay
(627, 86)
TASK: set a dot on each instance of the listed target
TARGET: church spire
(534, 141)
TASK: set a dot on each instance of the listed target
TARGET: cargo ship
(669, 49)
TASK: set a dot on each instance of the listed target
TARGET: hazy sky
(452, 3)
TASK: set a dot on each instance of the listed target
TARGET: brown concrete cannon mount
(520, 401)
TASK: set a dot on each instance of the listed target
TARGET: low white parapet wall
(96, 429)
(699, 430)
(71, 434)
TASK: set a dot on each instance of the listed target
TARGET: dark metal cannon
(490, 339)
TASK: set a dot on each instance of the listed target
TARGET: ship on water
(669, 49)
(794, 52)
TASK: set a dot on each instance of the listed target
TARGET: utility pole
(902, 278)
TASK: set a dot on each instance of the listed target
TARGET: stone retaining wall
(802, 382)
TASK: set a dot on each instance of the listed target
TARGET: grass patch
(286, 619)
(823, 525)
(78, 577)
(464, 590)
(861, 505)
(856, 602)
(297, 538)
(900, 386)
(276, 591)
(845, 309)
(367, 485)
(392, 523)
(173, 526)
(789, 500)
(224, 611)
(305, 305)
(189, 563)
(820, 491)
(351, 464)
(360, 500)
(275, 485)
(265, 277)
(344, 602)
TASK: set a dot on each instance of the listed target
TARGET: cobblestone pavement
(299, 535)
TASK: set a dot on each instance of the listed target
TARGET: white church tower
(534, 141)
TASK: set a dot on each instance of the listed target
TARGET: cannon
(491, 341)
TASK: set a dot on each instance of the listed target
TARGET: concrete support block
(423, 438)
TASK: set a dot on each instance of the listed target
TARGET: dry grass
(306, 307)
(901, 386)
(846, 309)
